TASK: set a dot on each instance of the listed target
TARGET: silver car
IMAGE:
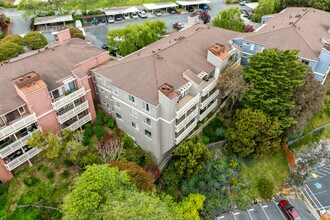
(142, 14)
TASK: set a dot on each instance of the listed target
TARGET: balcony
(208, 85)
(22, 159)
(72, 112)
(208, 110)
(207, 101)
(185, 132)
(187, 119)
(80, 122)
(185, 104)
(18, 125)
(64, 100)
(11, 148)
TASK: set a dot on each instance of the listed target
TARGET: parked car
(111, 19)
(118, 18)
(126, 16)
(177, 26)
(171, 10)
(157, 12)
(104, 20)
(105, 47)
(289, 211)
(242, 3)
(134, 15)
(190, 9)
(204, 6)
(142, 14)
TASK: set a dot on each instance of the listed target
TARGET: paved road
(20, 25)
(267, 211)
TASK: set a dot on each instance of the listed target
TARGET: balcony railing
(62, 101)
(22, 159)
(185, 104)
(208, 86)
(209, 99)
(80, 122)
(186, 120)
(75, 111)
(18, 125)
(186, 132)
(208, 110)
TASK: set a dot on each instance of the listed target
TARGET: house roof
(52, 64)
(294, 28)
(165, 61)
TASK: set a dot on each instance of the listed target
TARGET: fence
(216, 144)
(289, 155)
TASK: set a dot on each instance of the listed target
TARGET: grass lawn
(273, 166)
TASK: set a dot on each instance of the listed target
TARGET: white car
(134, 15)
(111, 19)
(157, 12)
(126, 16)
(142, 14)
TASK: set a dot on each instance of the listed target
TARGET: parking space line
(233, 215)
(279, 209)
(321, 192)
(316, 205)
(248, 211)
(221, 217)
(322, 172)
(325, 207)
(264, 211)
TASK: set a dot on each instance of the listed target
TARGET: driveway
(20, 25)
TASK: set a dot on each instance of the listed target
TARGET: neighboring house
(303, 29)
(48, 89)
(158, 94)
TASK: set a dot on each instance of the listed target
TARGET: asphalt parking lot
(268, 211)
(317, 188)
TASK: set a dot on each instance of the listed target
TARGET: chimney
(26, 79)
(167, 90)
(218, 57)
(62, 35)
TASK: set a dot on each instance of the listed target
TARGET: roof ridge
(295, 29)
(305, 12)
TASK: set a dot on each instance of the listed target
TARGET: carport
(252, 5)
(184, 4)
(52, 20)
(161, 5)
(118, 11)
(92, 18)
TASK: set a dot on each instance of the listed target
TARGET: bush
(111, 123)
(99, 131)
(68, 163)
(215, 130)
(169, 180)
(30, 181)
(127, 140)
(265, 188)
(228, 1)
(65, 174)
(233, 181)
(233, 164)
(49, 174)
(153, 170)
(76, 33)
(9, 50)
(137, 155)
(35, 40)
(77, 17)
(205, 139)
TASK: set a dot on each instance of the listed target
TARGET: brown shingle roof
(295, 28)
(165, 61)
(52, 65)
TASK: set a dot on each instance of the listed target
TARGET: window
(101, 90)
(147, 121)
(104, 103)
(98, 76)
(57, 93)
(21, 110)
(108, 106)
(96, 90)
(252, 46)
(69, 86)
(146, 106)
(135, 126)
(134, 112)
(114, 90)
(116, 103)
(106, 94)
(93, 78)
(119, 116)
(147, 133)
(131, 98)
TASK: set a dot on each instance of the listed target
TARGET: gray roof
(294, 28)
(52, 19)
(165, 61)
(52, 65)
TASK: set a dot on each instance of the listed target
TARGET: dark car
(190, 9)
(171, 10)
(118, 18)
(289, 211)
(105, 47)
(203, 6)
(177, 26)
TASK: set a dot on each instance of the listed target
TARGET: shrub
(249, 28)
(76, 33)
(233, 181)
(49, 174)
(3, 188)
(111, 123)
(30, 181)
(77, 17)
(215, 130)
(233, 164)
(153, 170)
(7, 20)
(9, 50)
(169, 180)
(265, 188)
(127, 140)
(138, 176)
(35, 40)
(205, 139)
(228, 1)
(137, 155)
(65, 174)
(99, 131)
(68, 163)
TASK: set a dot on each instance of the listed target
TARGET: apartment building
(158, 94)
(303, 29)
(48, 89)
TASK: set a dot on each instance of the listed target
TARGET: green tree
(190, 206)
(274, 75)
(308, 99)
(35, 40)
(229, 19)
(253, 133)
(232, 84)
(264, 7)
(190, 158)
(83, 5)
(9, 50)
(33, 8)
(76, 33)
(135, 36)
(14, 38)
(102, 192)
